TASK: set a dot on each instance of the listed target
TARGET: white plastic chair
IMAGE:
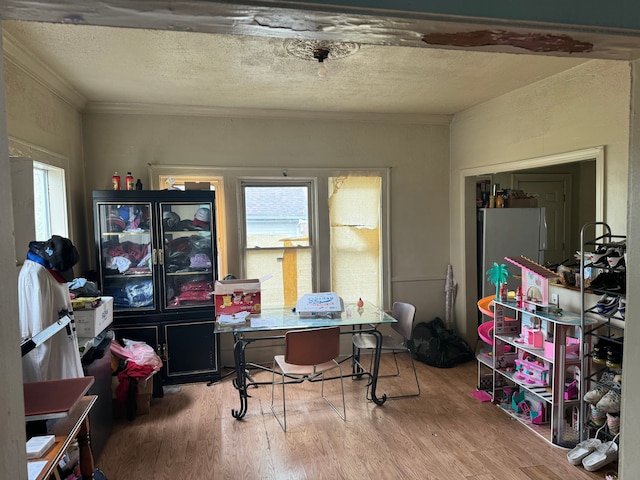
(404, 313)
(309, 353)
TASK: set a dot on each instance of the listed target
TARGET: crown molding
(203, 111)
(35, 68)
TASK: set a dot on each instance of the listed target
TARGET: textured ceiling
(134, 66)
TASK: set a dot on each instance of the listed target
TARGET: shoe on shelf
(607, 305)
(599, 257)
(614, 358)
(609, 282)
(598, 417)
(615, 257)
(604, 454)
(613, 423)
(599, 354)
(622, 307)
(584, 448)
(610, 402)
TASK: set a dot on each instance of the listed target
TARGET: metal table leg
(240, 382)
(376, 366)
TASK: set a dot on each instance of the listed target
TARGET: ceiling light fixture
(319, 51)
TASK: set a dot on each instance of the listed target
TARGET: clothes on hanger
(43, 295)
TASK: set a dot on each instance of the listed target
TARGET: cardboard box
(233, 296)
(522, 202)
(197, 185)
(143, 398)
(91, 322)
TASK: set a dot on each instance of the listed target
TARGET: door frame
(468, 217)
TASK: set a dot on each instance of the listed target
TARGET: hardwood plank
(443, 433)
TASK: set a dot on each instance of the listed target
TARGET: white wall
(416, 154)
(585, 107)
(45, 127)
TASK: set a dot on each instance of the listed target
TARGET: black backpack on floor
(432, 343)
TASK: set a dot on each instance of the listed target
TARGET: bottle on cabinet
(115, 181)
(129, 181)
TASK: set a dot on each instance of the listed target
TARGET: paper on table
(34, 468)
(264, 322)
(232, 319)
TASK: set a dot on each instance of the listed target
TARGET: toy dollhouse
(535, 282)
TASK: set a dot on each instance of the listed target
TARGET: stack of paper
(233, 319)
(39, 445)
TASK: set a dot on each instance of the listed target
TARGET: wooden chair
(309, 353)
(404, 313)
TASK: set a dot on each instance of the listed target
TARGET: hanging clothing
(41, 297)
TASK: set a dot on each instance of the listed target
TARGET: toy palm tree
(498, 275)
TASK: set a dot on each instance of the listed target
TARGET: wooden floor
(445, 433)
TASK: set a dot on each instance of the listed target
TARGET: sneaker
(614, 358)
(622, 307)
(599, 257)
(610, 282)
(595, 395)
(598, 417)
(615, 258)
(610, 402)
(599, 354)
(613, 423)
(607, 305)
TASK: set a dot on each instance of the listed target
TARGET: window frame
(310, 184)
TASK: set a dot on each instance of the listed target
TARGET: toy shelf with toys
(532, 366)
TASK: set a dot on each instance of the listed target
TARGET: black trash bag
(432, 343)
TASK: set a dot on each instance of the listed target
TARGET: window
(344, 254)
(355, 212)
(50, 201)
(278, 241)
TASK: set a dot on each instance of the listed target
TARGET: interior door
(552, 190)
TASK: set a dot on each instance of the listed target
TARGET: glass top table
(271, 322)
(285, 318)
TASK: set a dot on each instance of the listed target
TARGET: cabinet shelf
(193, 272)
(162, 275)
(128, 275)
(125, 233)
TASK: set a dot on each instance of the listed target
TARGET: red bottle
(129, 181)
(519, 298)
(115, 180)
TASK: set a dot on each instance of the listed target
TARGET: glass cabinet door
(127, 254)
(188, 254)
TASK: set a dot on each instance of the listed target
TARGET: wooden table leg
(87, 466)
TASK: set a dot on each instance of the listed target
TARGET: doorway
(586, 198)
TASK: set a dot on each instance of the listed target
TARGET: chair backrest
(404, 313)
(312, 346)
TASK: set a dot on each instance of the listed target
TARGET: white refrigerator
(508, 232)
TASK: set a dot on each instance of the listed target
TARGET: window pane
(275, 216)
(277, 241)
(41, 204)
(50, 201)
(355, 218)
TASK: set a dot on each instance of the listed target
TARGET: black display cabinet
(157, 257)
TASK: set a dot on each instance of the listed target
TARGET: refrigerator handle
(543, 231)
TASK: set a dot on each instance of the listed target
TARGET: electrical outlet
(554, 298)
